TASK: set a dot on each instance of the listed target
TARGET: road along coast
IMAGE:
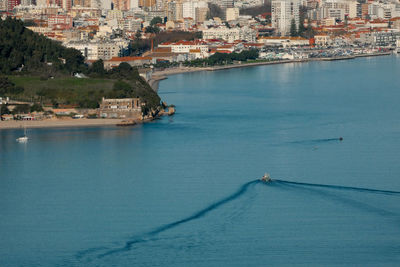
(163, 74)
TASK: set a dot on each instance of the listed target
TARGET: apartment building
(283, 12)
(230, 34)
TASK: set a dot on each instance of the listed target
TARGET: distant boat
(23, 139)
(266, 178)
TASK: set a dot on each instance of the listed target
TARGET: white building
(230, 35)
(232, 13)
(95, 50)
(349, 7)
(188, 47)
(283, 12)
(189, 8)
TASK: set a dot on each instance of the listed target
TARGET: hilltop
(35, 68)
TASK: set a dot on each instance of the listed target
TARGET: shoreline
(9, 125)
(158, 76)
(162, 75)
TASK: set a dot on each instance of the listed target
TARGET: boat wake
(316, 141)
(349, 199)
(150, 236)
(340, 187)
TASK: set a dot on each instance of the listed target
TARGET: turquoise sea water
(182, 191)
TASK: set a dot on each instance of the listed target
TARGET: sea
(184, 190)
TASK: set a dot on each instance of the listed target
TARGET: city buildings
(108, 29)
(284, 12)
(230, 34)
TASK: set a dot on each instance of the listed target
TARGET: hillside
(35, 68)
(21, 49)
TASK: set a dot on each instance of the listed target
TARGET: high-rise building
(232, 13)
(82, 3)
(3, 5)
(224, 4)
(106, 4)
(175, 10)
(283, 13)
(67, 4)
(189, 8)
(26, 2)
(12, 3)
(147, 3)
(121, 4)
(134, 4)
(96, 4)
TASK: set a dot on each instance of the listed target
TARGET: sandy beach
(58, 123)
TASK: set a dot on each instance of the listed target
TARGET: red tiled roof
(124, 59)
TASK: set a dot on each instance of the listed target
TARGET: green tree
(98, 67)
(152, 29)
(138, 35)
(214, 11)
(302, 29)
(4, 110)
(36, 107)
(155, 21)
(309, 33)
(5, 86)
(21, 109)
(293, 28)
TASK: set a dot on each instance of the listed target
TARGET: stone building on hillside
(120, 108)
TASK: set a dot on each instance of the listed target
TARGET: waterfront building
(386, 38)
(199, 48)
(283, 12)
(322, 40)
(120, 108)
(283, 41)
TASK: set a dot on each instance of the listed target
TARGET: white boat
(23, 139)
(266, 178)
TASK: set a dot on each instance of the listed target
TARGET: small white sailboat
(23, 139)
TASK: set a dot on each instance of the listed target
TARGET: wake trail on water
(149, 236)
(340, 187)
(316, 141)
(342, 199)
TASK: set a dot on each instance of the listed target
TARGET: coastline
(6, 125)
(154, 83)
(163, 74)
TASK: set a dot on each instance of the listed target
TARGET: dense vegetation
(214, 11)
(85, 93)
(27, 52)
(34, 68)
(257, 10)
(139, 46)
(222, 59)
